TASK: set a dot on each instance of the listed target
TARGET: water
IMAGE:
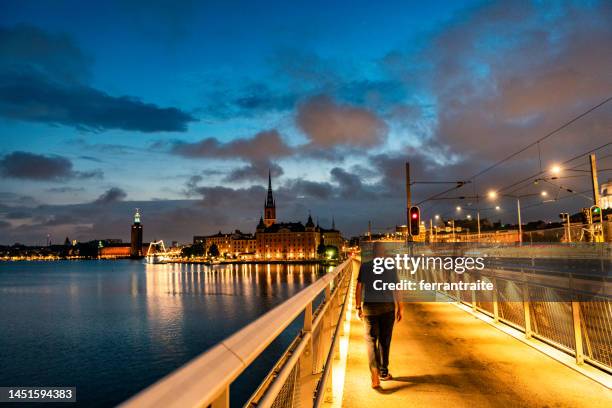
(111, 328)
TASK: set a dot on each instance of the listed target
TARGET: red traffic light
(414, 228)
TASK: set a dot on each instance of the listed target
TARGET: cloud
(256, 170)
(66, 189)
(329, 124)
(54, 55)
(503, 75)
(262, 146)
(111, 195)
(37, 167)
(43, 79)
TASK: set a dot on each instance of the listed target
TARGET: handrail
(205, 380)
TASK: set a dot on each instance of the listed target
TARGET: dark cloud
(18, 215)
(111, 195)
(504, 74)
(253, 99)
(31, 166)
(53, 55)
(328, 124)
(28, 97)
(66, 189)
(262, 146)
(42, 79)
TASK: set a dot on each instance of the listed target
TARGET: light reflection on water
(113, 327)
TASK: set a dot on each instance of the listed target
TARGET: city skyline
(180, 109)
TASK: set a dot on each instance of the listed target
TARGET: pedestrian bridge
(550, 349)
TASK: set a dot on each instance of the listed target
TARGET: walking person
(379, 310)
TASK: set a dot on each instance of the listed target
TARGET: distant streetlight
(437, 217)
(469, 217)
(544, 193)
(458, 208)
(497, 208)
(492, 194)
(555, 169)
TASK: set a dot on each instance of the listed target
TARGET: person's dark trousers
(378, 331)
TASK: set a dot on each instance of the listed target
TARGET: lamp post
(494, 194)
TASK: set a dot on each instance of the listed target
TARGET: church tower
(136, 241)
(270, 206)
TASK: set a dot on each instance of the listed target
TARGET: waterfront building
(236, 244)
(287, 240)
(275, 240)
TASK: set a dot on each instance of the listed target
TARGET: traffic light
(595, 214)
(414, 227)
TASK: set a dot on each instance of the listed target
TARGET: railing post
(222, 401)
(495, 304)
(473, 295)
(577, 332)
(526, 308)
(306, 362)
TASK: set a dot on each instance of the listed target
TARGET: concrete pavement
(443, 357)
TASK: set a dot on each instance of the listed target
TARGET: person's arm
(397, 299)
(358, 290)
(398, 306)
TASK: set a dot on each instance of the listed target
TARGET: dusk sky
(180, 108)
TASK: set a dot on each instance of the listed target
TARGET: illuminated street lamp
(458, 208)
(555, 169)
(469, 217)
(544, 193)
(497, 208)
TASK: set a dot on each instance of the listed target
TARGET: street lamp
(458, 208)
(555, 169)
(493, 194)
(544, 193)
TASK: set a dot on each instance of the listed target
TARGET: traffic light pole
(594, 181)
(408, 203)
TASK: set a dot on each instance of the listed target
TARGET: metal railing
(562, 314)
(301, 376)
(571, 311)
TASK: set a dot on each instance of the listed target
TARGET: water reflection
(113, 327)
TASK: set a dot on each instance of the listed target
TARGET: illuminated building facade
(235, 244)
(275, 240)
(287, 240)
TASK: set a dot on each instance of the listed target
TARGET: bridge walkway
(442, 356)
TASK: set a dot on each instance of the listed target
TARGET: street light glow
(497, 208)
(544, 193)
(555, 169)
(492, 194)
(437, 217)
(458, 208)
(469, 217)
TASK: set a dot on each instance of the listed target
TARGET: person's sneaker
(386, 376)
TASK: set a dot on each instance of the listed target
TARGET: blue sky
(182, 107)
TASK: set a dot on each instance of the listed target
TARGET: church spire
(270, 205)
(270, 198)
